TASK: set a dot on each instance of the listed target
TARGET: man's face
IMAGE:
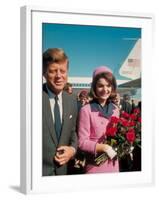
(70, 90)
(56, 76)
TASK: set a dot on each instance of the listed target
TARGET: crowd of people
(74, 126)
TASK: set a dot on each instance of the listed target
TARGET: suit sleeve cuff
(74, 150)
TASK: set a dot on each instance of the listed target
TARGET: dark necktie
(57, 119)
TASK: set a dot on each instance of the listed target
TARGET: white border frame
(31, 101)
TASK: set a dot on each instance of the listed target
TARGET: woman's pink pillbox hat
(100, 70)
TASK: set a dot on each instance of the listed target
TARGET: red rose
(130, 135)
(139, 119)
(125, 114)
(124, 122)
(111, 131)
(131, 123)
(114, 120)
(136, 111)
(133, 116)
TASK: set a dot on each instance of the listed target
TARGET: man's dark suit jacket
(126, 106)
(68, 133)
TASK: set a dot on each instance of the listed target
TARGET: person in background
(82, 98)
(94, 118)
(68, 88)
(125, 104)
(139, 105)
(133, 106)
(116, 101)
(59, 114)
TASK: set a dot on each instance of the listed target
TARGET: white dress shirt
(52, 102)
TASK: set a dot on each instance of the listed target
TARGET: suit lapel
(49, 118)
(51, 126)
(66, 109)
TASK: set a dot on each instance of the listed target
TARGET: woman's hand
(110, 152)
(107, 149)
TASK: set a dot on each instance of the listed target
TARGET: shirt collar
(52, 95)
(105, 111)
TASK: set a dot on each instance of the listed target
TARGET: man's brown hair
(53, 55)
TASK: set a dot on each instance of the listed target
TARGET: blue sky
(91, 46)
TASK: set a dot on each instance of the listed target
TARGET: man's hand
(64, 154)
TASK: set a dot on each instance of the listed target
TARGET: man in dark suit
(125, 104)
(59, 115)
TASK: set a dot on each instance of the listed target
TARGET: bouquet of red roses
(122, 134)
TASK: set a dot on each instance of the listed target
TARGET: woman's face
(103, 89)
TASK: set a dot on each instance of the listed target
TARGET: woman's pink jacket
(92, 127)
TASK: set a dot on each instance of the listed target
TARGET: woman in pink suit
(94, 119)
